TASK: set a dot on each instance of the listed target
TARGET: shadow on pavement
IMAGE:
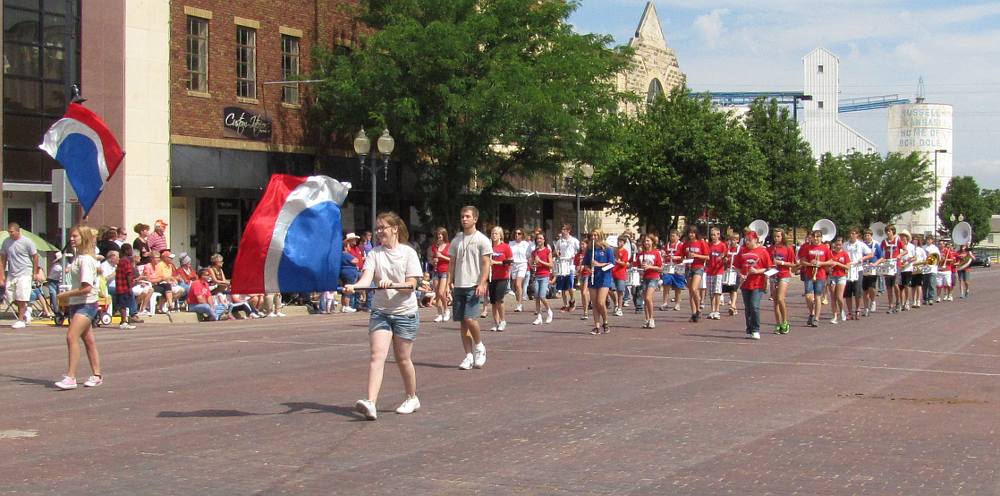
(294, 407)
(742, 335)
(46, 383)
(434, 365)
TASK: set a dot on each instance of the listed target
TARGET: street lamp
(936, 152)
(385, 145)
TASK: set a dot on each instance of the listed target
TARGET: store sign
(242, 123)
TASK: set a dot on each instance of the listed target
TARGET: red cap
(751, 235)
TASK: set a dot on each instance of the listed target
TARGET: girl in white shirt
(81, 301)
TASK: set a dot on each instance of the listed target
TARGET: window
(197, 54)
(246, 62)
(820, 69)
(290, 68)
(654, 91)
(819, 104)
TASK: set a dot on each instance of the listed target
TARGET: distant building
(821, 126)
(654, 70)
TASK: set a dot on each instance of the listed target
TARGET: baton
(397, 285)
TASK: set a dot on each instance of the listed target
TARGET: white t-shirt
(520, 251)
(108, 271)
(567, 248)
(931, 268)
(83, 270)
(20, 255)
(466, 254)
(394, 265)
(857, 250)
(908, 266)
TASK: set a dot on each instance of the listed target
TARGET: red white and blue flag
(294, 238)
(85, 147)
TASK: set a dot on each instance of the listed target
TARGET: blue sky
(884, 47)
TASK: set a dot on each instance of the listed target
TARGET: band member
(840, 264)
(439, 279)
(917, 279)
(894, 249)
(714, 270)
(783, 256)
(673, 271)
(696, 250)
(930, 271)
(583, 275)
(814, 258)
(869, 279)
(753, 262)
(619, 275)
(944, 272)
(395, 316)
(500, 262)
(81, 304)
(541, 266)
(905, 270)
(468, 272)
(601, 259)
(650, 261)
(731, 282)
(964, 257)
(566, 249)
(861, 254)
(521, 250)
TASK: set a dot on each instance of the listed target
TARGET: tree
(890, 186)
(840, 200)
(992, 199)
(963, 198)
(473, 90)
(680, 157)
(792, 173)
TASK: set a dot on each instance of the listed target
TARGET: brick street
(901, 404)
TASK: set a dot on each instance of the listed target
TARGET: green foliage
(963, 198)
(791, 168)
(840, 200)
(992, 199)
(680, 157)
(488, 90)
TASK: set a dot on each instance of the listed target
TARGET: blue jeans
(203, 309)
(751, 309)
(53, 286)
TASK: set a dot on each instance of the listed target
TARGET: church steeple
(649, 30)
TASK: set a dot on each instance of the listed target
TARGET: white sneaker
(755, 335)
(366, 408)
(447, 316)
(627, 304)
(874, 307)
(664, 306)
(273, 315)
(502, 326)
(410, 405)
(125, 326)
(677, 307)
(342, 310)
(439, 318)
(538, 319)
(279, 314)
(18, 325)
(618, 312)
(479, 354)
(94, 381)
(519, 308)
(494, 328)
(548, 317)
(67, 382)
(834, 321)
(652, 323)
(27, 318)
(467, 362)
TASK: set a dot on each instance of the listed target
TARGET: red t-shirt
(696, 247)
(651, 257)
(756, 258)
(815, 254)
(442, 264)
(948, 255)
(898, 249)
(673, 253)
(841, 257)
(199, 288)
(783, 253)
(359, 254)
(620, 270)
(578, 261)
(545, 255)
(717, 263)
(501, 252)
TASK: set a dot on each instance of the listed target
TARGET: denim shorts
(783, 280)
(815, 287)
(541, 285)
(438, 276)
(650, 284)
(837, 280)
(403, 326)
(465, 304)
(620, 285)
(564, 283)
(87, 309)
(700, 271)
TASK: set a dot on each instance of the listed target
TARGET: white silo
(925, 128)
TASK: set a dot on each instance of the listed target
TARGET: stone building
(654, 69)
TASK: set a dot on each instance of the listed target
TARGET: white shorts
(519, 270)
(141, 289)
(944, 278)
(19, 288)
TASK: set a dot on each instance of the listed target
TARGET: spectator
(272, 305)
(185, 274)
(218, 275)
(158, 238)
(106, 244)
(108, 267)
(20, 257)
(167, 279)
(141, 245)
(120, 239)
(366, 244)
(148, 279)
(242, 307)
(199, 297)
(124, 282)
(52, 282)
(350, 271)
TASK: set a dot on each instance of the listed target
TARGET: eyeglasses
(383, 228)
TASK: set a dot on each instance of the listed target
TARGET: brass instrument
(932, 259)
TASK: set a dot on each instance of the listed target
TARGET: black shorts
(904, 279)
(729, 288)
(868, 282)
(162, 288)
(890, 281)
(853, 289)
(497, 290)
(916, 280)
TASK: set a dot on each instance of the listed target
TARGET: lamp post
(385, 145)
(936, 152)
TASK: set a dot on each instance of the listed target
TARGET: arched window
(655, 91)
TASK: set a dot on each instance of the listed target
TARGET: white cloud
(710, 26)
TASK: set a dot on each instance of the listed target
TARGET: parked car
(980, 260)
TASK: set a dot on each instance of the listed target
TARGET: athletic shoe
(677, 307)
(273, 315)
(652, 323)
(627, 304)
(777, 329)
(67, 382)
(785, 327)
(607, 328)
(279, 314)
(732, 311)
(755, 335)
(94, 381)
(843, 316)
(618, 312)
(939, 300)
(342, 310)
(479, 354)
(447, 316)
(815, 323)
(874, 307)
(538, 319)
(125, 326)
(494, 328)
(366, 408)
(502, 326)
(439, 318)
(548, 317)
(664, 306)
(645, 325)
(584, 317)
(834, 321)
(467, 362)
(519, 308)
(410, 405)
(135, 320)
(868, 311)
(564, 308)
(595, 331)
(18, 325)
(572, 305)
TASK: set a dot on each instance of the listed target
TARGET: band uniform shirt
(810, 253)
(619, 272)
(840, 257)
(544, 254)
(757, 258)
(651, 258)
(782, 253)
(696, 247)
(717, 259)
(501, 253)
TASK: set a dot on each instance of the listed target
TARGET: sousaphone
(878, 231)
(761, 228)
(827, 227)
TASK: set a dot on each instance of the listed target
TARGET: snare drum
(634, 277)
(669, 269)
(854, 273)
(564, 267)
(729, 277)
(889, 267)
